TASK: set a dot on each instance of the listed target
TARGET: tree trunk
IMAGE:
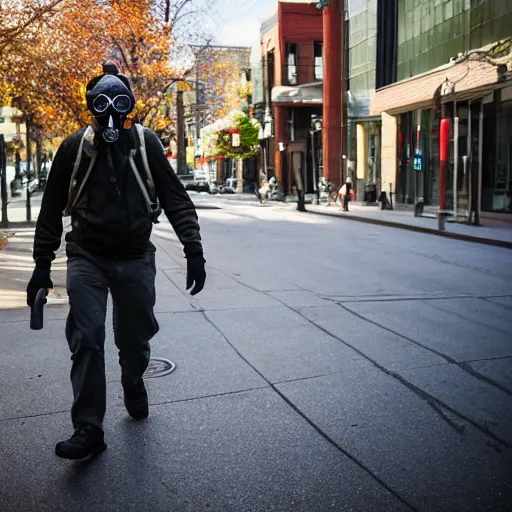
(39, 154)
(3, 182)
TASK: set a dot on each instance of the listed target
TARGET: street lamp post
(29, 172)
(3, 182)
(266, 132)
(316, 126)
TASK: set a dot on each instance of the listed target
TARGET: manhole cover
(159, 367)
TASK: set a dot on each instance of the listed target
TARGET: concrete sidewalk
(16, 262)
(288, 394)
(491, 232)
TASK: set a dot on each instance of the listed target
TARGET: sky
(237, 22)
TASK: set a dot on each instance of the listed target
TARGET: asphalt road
(328, 365)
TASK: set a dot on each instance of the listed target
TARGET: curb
(418, 229)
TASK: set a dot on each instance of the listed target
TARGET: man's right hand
(40, 279)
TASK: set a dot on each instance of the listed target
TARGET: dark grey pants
(132, 286)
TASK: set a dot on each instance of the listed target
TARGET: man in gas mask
(111, 180)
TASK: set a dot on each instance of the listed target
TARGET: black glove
(196, 273)
(40, 279)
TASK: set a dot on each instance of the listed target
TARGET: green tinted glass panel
(446, 28)
(438, 15)
(362, 49)
(448, 9)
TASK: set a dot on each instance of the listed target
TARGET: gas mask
(110, 99)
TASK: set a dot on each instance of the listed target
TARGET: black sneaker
(86, 440)
(136, 401)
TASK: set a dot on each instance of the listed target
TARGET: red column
(279, 133)
(332, 89)
(444, 139)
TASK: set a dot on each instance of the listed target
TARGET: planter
(3, 242)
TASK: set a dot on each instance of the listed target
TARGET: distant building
(8, 124)
(222, 84)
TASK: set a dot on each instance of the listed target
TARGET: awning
(301, 94)
(458, 81)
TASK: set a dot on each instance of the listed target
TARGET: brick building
(292, 64)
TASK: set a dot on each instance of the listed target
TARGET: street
(327, 365)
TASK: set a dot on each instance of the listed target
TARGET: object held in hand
(36, 313)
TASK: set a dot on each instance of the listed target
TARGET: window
(319, 62)
(291, 63)
(270, 70)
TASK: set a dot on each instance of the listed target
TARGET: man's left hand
(196, 273)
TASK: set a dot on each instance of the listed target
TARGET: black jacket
(111, 217)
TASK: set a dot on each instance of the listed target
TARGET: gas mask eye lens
(122, 103)
(101, 103)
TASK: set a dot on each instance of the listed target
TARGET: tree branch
(9, 34)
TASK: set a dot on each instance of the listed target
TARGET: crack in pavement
(156, 404)
(459, 315)
(28, 416)
(202, 397)
(430, 399)
(497, 303)
(446, 357)
(311, 423)
(487, 359)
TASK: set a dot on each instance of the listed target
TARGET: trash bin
(370, 193)
(15, 188)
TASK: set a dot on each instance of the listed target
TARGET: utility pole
(3, 182)
(334, 90)
(198, 114)
(182, 161)
(29, 159)
(344, 96)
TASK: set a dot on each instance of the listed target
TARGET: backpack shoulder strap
(86, 145)
(145, 162)
(147, 186)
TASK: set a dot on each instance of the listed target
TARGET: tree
(52, 48)
(52, 58)
(218, 137)
(220, 70)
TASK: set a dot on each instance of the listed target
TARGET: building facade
(292, 70)
(10, 127)
(454, 62)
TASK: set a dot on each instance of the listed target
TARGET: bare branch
(8, 35)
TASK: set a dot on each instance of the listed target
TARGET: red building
(291, 49)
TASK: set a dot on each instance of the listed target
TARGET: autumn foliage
(52, 48)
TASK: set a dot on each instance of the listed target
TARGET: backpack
(86, 150)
